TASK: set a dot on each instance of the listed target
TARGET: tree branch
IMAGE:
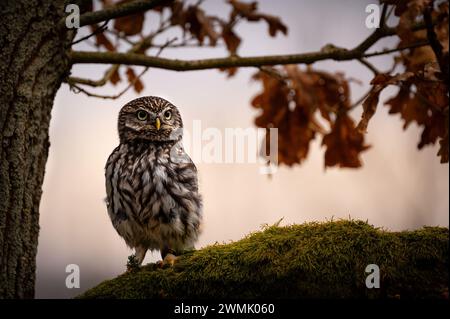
(228, 62)
(188, 65)
(117, 11)
(337, 54)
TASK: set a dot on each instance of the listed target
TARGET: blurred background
(397, 188)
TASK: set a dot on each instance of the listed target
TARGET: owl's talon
(169, 260)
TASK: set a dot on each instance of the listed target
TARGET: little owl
(151, 183)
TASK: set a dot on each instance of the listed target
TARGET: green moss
(313, 260)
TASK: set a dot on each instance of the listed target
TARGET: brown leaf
(178, 16)
(294, 131)
(379, 82)
(242, 8)
(133, 79)
(163, 5)
(344, 144)
(232, 40)
(249, 12)
(443, 149)
(200, 25)
(401, 5)
(369, 108)
(131, 24)
(434, 129)
(292, 108)
(275, 25)
(320, 90)
(398, 103)
(102, 40)
(229, 71)
(441, 28)
(115, 77)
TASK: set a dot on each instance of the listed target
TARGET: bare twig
(401, 48)
(383, 17)
(361, 99)
(369, 65)
(77, 89)
(166, 45)
(388, 15)
(99, 29)
(121, 36)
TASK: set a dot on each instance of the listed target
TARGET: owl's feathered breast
(151, 198)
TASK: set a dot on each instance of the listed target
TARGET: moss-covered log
(313, 260)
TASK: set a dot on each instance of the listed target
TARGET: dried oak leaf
(134, 80)
(178, 14)
(229, 71)
(320, 90)
(434, 129)
(102, 40)
(441, 28)
(115, 77)
(443, 147)
(294, 129)
(232, 40)
(424, 100)
(131, 24)
(290, 101)
(250, 13)
(163, 5)
(379, 82)
(344, 143)
(200, 25)
(275, 24)
(242, 8)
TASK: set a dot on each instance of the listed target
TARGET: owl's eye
(141, 115)
(167, 115)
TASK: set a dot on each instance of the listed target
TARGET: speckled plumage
(151, 184)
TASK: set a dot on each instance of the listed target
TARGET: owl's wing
(111, 166)
(185, 168)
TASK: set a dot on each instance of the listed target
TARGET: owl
(153, 199)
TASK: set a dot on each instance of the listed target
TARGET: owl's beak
(157, 123)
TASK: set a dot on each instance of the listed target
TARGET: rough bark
(33, 64)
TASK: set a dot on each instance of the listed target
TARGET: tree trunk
(33, 63)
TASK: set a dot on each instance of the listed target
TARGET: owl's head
(150, 118)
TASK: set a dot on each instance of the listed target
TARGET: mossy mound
(313, 260)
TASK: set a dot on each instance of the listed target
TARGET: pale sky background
(398, 188)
